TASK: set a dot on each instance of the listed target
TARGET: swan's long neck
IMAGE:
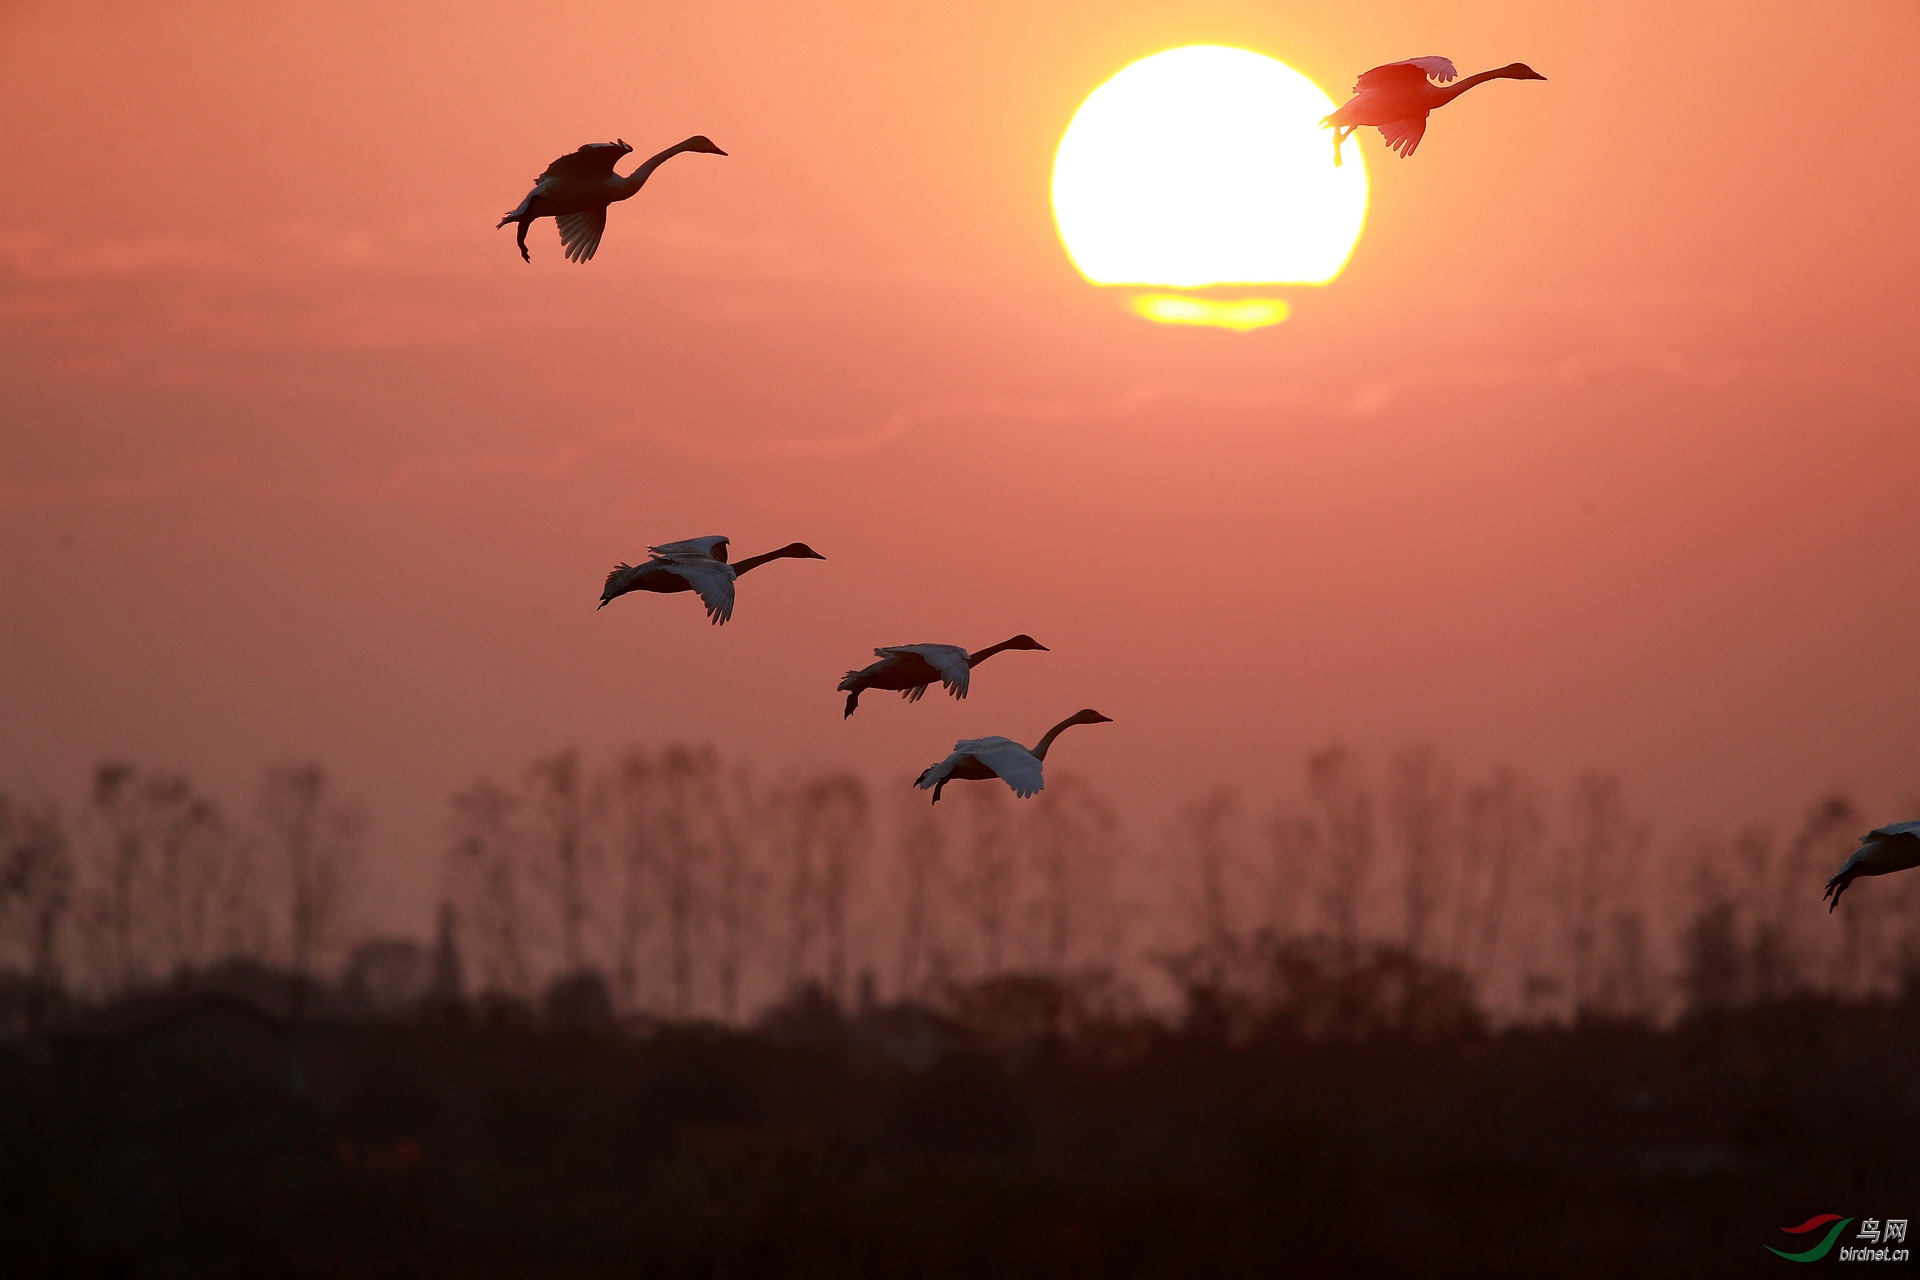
(638, 179)
(1040, 752)
(1452, 91)
(754, 562)
(975, 659)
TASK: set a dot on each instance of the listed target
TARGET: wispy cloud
(1417, 386)
(1417, 389)
(213, 469)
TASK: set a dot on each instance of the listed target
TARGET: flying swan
(576, 189)
(698, 564)
(910, 668)
(1894, 847)
(982, 759)
(1398, 96)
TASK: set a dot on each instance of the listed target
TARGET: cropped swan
(910, 668)
(698, 564)
(983, 759)
(576, 189)
(1398, 96)
(1894, 847)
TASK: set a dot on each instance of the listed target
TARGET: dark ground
(1015, 1134)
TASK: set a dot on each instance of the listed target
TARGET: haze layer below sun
(1592, 454)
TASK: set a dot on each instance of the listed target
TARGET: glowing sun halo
(1203, 166)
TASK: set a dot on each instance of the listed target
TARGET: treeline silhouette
(691, 889)
(678, 1020)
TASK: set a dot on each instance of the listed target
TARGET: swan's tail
(516, 213)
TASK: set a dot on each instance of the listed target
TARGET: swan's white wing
(713, 580)
(1015, 765)
(1436, 68)
(1405, 74)
(1404, 135)
(1893, 829)
(595, 160)
(950, 660)
(708, 547)
(968, 746)
(580, 233)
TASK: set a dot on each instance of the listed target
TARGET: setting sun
(1203, 166)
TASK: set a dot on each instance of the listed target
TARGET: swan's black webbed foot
(521, 240)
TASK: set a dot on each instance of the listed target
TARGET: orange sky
(1600, 452)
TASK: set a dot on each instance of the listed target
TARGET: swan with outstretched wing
(698, 565)
(983, 759)
(1396, 98)
(576, 189)
(913, 668)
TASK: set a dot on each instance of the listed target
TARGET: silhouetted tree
(122, 870)
(845, 833)
(1421, 806)
(484, 875)
(1502, 827)
(629, 799)
(1600, 860)
(201, 888)
(829, 832)
(1205, 841)
(449, 974)
(558, 842)
(1069, 835)
(918, 846)
(738, 884)
(1711, 969)
(987, 869)
(317, 840)
(36, 891)
(1345, 818)
(1296, 862)
(688, 783)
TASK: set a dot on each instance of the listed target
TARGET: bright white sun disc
(1207, 165)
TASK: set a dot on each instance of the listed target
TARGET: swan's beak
(1100, 719)
(1042, 648)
